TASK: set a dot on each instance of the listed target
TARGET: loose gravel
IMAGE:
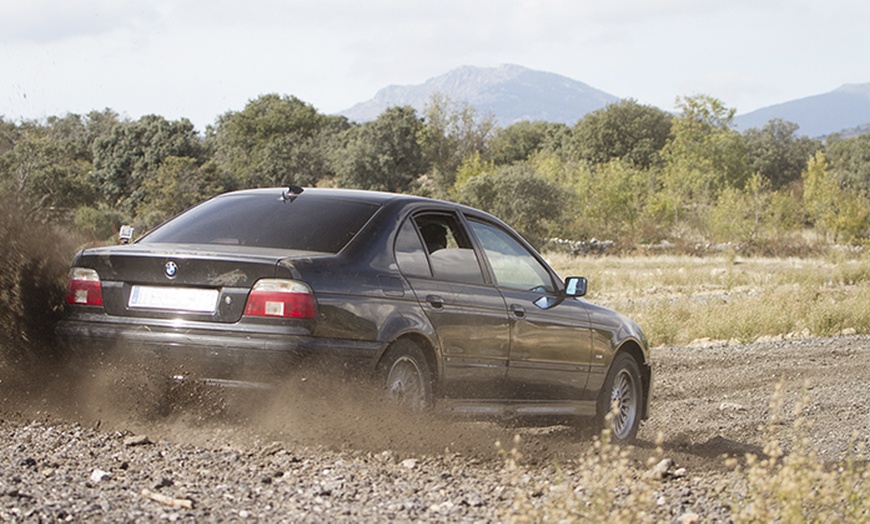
(108, 449)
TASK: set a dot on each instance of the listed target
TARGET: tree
(178, 184)
(451, 133)
(624, 130)
(517, 142)
(836, 211)
(519, 196)
(703, 156)
(133, 152)
(776, 153)
(384, 154)
(612, 200)
(275, 140)
(742, 215)
(850, 159)
(44, 176)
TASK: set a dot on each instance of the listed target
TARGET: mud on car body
(443, 304)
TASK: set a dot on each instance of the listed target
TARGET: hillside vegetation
(628, 174)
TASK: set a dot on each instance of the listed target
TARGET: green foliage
(519, 141)
(132, 153)
(101, 223)
(850, 160)
(179, 184)
(628, 173)
(704, 156)
(612, 202)
(744, 215)
(275, 140)
(452, 132)
(520, 197)
(45, 176)
(471, 167)
(775, 152)
(624, 130)
(837, 212)
(385, 154)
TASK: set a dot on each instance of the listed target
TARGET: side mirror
(126, 234)
(575, 286)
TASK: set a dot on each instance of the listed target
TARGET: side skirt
(500, 408)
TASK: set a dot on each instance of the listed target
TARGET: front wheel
(406, 377)
(621, 398)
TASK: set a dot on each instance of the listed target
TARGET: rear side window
(451, 254)
(410, 253)
(309, 224)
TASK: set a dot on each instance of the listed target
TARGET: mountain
(841, 109)
(510, 92)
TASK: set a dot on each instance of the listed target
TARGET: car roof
(379, 198)
(373, 197)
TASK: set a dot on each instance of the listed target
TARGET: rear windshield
(307, 224)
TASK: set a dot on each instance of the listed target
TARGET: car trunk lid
(207, 283)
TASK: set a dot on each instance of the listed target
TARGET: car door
(436, 256)
(550, 349)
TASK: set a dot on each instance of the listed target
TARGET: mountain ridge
(512, 93)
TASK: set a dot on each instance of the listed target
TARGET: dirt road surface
(121, 449)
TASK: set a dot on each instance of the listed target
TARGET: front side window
(512, 264)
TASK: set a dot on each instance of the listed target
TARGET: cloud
(48, 21)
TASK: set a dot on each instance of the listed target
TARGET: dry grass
(609, 486)
(792, 484)
(789, 483)
(684, 299)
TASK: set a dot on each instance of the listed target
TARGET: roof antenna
(290, 194)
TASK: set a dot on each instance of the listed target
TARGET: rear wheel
(622, 398)
(406, 376)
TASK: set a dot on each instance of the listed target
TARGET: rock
(731, 406)
(661, 469)
(164, 483)
(410, 463)
(98, 475)
(137, 440)
(271, 449)
(689, 518)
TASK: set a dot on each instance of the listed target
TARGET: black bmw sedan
(442, 304)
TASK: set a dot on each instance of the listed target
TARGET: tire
(621, 397)
(406, 377)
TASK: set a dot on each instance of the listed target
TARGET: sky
(198, 59)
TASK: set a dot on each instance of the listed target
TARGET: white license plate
(174, 298)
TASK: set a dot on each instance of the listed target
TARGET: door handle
(518, 310)
(435, 301)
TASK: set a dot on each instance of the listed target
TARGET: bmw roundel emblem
(171, 268)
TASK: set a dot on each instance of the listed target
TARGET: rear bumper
(223, 352)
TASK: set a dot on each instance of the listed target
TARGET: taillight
(84, 287)
(282, 299)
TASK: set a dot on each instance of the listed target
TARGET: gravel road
(118, 449)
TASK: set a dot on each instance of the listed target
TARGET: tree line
(628, 173)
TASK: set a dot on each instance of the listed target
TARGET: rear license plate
(174, 298)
